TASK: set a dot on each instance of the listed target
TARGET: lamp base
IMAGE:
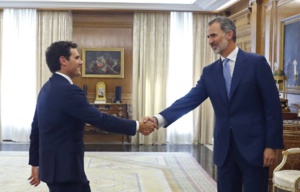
(284, 105)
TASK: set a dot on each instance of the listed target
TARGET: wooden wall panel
(239, 13)
(105, 30)
(241, 18)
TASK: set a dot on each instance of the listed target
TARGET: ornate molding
(282, 2)
(291, 19)
(199, 5)
(251, 2)
(103, 24)
(240, 14)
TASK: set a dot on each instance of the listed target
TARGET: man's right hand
(151, 119)
(147, 127)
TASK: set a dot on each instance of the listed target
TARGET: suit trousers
(69, 187)
(237, 175)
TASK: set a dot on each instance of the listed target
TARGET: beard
(220, 46)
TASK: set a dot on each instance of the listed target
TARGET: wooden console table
(291, 139)
(95, 135)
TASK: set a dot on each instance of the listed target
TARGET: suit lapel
(220, 82)
(238, 72)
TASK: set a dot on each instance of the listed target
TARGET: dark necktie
(227, 76)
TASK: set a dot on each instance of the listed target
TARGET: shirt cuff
(160, 120)
(137, 126)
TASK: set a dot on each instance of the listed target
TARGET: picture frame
(103, 62)
(290, 57)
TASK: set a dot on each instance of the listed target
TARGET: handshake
(147, 125)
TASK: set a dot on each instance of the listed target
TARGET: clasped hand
(147, 125)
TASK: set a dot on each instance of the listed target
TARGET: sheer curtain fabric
(52, 26)
(169, 53)
(26, 36)
(18, 77)
(203, 123)
(180, 70)
(1, 17)
(150, 64)
(198, 125)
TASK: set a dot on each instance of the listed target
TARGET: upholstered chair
(285, 175)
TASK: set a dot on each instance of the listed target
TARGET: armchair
(288, 178)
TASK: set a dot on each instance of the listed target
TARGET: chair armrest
(291, 151)
(284, 158)
(285, 155)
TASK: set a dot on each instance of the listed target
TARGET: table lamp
(280, 80)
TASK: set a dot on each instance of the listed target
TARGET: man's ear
(229, 34)
(62, 60)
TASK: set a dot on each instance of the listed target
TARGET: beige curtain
(203, 55)
(150, 63)
(52, 26)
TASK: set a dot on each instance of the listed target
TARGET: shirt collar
(232, 56)
(65, 76)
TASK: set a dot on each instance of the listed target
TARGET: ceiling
(168, 5)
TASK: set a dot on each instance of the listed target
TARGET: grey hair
(226, 25)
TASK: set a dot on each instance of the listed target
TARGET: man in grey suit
(248, 125)
(56, 142)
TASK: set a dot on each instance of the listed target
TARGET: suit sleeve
(186, 103)
(272, 107)
(77, 106)
(34, 142)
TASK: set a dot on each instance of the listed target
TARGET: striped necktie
(227, 76)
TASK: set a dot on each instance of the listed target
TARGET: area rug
(118, 171)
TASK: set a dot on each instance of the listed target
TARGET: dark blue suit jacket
(57, 145)
(253, 111)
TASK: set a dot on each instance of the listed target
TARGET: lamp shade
(279, 76)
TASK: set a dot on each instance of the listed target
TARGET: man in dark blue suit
(56, 141)
(248, 125)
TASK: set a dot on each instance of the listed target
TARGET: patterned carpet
(118, 171)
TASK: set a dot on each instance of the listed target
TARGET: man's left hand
(269, 157)
(34, 177)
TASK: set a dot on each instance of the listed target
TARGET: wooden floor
(201, 153)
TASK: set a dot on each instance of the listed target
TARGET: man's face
(218, 39)
(73, 65)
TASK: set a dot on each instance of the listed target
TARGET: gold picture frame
(103, 62)
(289, 52)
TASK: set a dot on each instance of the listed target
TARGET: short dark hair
(226, 25)
(55, 51)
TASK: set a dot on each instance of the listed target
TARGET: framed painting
(103, 62)
(290, 56)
